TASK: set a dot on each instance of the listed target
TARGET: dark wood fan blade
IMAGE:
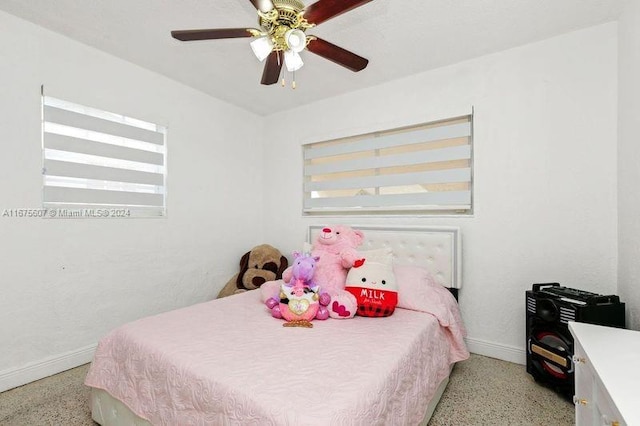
(191, 35)
(262, 5)
(271, 73)
(337, 54)
(323, 10)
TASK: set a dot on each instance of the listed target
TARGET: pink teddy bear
(336, 248)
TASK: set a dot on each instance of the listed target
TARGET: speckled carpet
(482, 391)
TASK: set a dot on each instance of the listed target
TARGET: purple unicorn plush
(300, 300)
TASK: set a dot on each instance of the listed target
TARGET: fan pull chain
(281, 69)
(283, 73)
(293, 78)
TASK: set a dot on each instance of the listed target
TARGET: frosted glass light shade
(296, 40)
(262, 47)
(292, 60)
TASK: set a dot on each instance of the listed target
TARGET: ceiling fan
(281, 36)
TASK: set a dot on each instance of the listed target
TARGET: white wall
(545, 170)
(629, 161)
(64, 283)
(545, 187)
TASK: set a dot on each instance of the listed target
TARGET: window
(100, 161)
(419, 169)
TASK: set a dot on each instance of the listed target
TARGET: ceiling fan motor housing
(295, 5)
(286, 13)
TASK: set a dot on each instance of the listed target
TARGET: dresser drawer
(584, 397)
(606, 375)
(605, 409)
(593, 404)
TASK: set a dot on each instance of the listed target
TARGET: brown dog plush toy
(263, 263)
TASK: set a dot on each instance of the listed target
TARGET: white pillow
(306, 247)
(382, 255)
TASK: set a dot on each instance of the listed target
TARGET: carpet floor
(482, 391)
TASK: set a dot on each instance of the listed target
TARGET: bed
(228, 362)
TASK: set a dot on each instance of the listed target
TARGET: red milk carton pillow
(374, 286)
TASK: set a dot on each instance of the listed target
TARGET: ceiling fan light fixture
(280, 36)
(296, 40)
(292, 60)
(262, 47)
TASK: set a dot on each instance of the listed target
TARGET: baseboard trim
(497, 350)
(15, 377)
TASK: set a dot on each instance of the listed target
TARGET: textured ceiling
(399, 37)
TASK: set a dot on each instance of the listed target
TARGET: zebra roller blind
(419, 169)
(94, 159)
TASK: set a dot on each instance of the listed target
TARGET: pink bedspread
(228, 362)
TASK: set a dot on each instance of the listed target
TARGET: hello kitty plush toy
(300, 300)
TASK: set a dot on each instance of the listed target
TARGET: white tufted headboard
(436, 248)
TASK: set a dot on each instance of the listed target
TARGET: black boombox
(550, 307)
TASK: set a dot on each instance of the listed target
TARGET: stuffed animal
(336, 248)
(261, 264)
(374, 286)
(300, 300)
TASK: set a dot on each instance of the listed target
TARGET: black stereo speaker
(550, 307)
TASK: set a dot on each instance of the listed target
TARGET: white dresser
(607, 373)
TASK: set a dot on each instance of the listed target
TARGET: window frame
(100, 164)
(431, 209)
